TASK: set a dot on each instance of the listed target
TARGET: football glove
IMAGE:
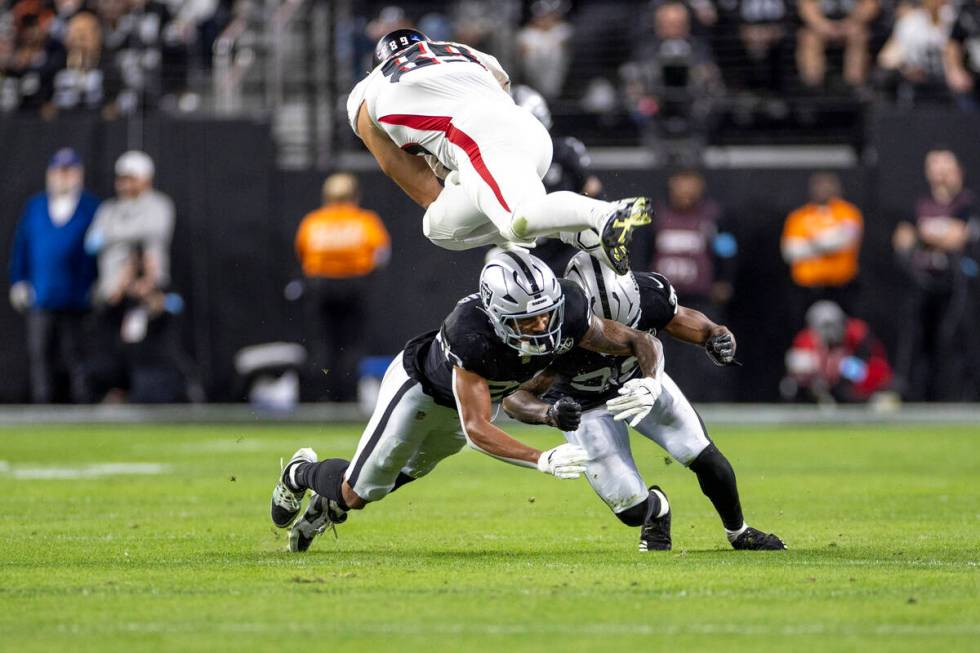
(636, 400)
(721, 348)
(564, 461)
(565, 414)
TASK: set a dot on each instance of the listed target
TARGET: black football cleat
(655, 533)
(320, 515)
(617, 233)
(756, 540)
(286, 502)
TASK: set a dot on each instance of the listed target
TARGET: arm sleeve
(20, 268)
(156, 242)
(658, 300)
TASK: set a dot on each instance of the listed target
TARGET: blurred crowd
(92, 279)
(108, 57)
(675, 67)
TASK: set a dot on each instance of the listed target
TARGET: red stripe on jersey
(456, 136)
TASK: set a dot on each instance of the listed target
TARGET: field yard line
(580, 629)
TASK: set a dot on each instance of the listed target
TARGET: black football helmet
(394, 42)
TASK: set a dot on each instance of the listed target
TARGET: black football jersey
(592, 378)
(467, 340)
(569, 165)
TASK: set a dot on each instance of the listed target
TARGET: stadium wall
(237, 215)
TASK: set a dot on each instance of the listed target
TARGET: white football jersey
(421, 95)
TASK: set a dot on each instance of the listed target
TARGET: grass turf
(883, 525)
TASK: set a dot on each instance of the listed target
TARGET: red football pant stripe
(457, 137)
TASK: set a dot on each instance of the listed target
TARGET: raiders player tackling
(438, 394)
(438, 118)
(604, 387)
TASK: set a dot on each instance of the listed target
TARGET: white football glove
(636, 400)
(564, 461)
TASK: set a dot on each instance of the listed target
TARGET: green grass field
(883, 525)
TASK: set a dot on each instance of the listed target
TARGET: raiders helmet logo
(565, 346)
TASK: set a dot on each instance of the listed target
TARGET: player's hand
(21, 296)
(636, 400)
(565, 414)
(720, 347)
(564, 461)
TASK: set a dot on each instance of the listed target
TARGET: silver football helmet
(515, 286)
(529, 99)
(613, 297)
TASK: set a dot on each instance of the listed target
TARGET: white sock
(733, 535)
(664, 506)
(291, 478)
(559, 211)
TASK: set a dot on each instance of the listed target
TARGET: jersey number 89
(424, 54)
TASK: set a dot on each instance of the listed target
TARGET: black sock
(717, 480)
(325, 478)
(403, 479)
(641, 512)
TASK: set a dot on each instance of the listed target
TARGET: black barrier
(237, 215)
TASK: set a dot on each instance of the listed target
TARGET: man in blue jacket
(51, 276)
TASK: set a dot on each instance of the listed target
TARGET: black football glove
(721, 349)
(565, 414)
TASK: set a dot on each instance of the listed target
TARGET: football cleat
(756, 540)
(320, 515)
(617, 233)
(655, 533)
(286, 502)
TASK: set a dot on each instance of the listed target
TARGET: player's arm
(410, 172)
(615, 339)
(527, 406)
(475, 411)
(689, 325)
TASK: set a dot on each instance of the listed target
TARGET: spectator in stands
(64, 11)
(340, 246)
(821, 241)
(691, 243)
(672, 78)
(834, 359)
(131, 234)
(962, 57)
(85, 83)
(937, 356)
(543, 47)
(912, 60)
(51, 277)
(755, 59)
(27, 71)
(834, 23)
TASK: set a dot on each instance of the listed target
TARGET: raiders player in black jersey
(592, 392)
(569, 171)
(438, 394)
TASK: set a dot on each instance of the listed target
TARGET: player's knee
(636, 515)
(712, 463)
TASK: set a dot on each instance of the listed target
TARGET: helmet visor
(535, 333)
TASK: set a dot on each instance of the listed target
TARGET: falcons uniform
(447, 102)
(415, 422)
(592, 379)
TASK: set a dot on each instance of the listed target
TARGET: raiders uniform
(447, 102)
(592, 379)
(415, 423)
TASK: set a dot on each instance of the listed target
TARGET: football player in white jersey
(438, 118)
(591, 397)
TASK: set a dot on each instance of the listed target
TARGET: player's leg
(613, 475)
(454, 222)
(500, 166)
(387, 443)
(445, 438)
(677, 427)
